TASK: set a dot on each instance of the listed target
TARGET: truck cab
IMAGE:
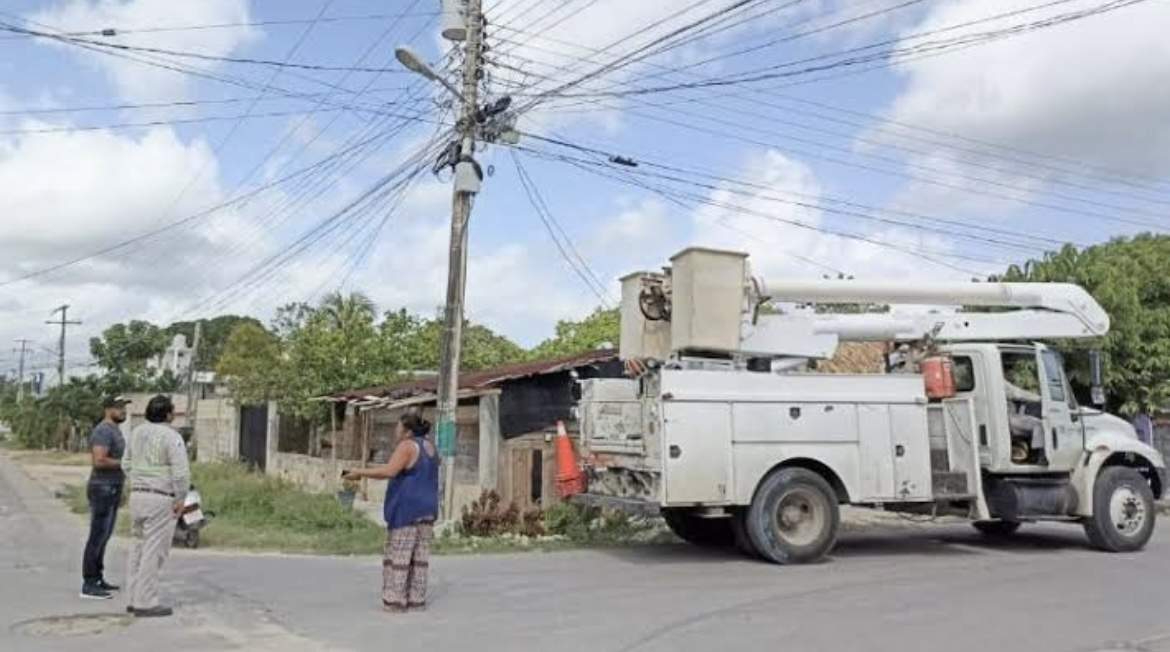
(1027, 418)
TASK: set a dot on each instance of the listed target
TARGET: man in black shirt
(104, 491)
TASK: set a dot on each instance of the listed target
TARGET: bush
(488, 517)
(570, 520)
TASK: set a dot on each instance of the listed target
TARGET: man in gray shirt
(159, 477)
(104, 491)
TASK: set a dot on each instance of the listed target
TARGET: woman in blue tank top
(412, 504)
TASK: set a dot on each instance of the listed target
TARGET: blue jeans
(103, 514)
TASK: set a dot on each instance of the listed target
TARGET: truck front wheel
(1123, 511)
(794, 517)
(708, 532)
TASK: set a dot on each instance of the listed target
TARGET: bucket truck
(723, 427)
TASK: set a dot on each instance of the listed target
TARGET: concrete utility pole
(462, 192)
(192, 400)
(64, 310)
(20, 374)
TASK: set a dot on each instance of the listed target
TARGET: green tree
(123, 350)
(213, 337)
(412, 343)
(601, 328)
(252, 365)
(335, 347)
(1128, 278)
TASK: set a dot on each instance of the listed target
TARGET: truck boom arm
(1051, 309)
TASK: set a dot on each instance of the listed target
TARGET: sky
(906, 139)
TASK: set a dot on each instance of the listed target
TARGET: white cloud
(1093, 90)
(67, 194)
(787, 239)
(138, 81)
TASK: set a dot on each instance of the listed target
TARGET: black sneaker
(102, 584)
(95, 592)
(153, 612)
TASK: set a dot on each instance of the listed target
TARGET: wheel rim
(1127, 511)
(799, 517)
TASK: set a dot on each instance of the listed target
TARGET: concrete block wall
(217, 430)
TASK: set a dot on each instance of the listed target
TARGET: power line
(632, 56)
(574, 260)
(757, 191)
(889, 56)
(771, 119)
(610, 156)
(118, 31)
(587, 164)
(180, 104)
(919, 252)
(177, 121)
(201, 56)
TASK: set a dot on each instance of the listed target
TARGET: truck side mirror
(1097, 382)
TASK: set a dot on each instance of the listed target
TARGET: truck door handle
(675, 452)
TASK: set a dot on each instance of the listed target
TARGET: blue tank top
(413, 494)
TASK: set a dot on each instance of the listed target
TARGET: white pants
(152, 525)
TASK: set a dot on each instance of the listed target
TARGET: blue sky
(1057, 135)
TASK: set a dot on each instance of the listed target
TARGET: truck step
(939, 460)
(949, 484)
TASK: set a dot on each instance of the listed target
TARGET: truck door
(1064, 438)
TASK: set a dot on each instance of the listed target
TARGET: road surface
(937, 588)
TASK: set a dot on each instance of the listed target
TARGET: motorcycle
(193, 519)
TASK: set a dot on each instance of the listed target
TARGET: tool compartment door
(912, 473)
(697, 452)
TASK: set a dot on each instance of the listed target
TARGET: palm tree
(344, 311)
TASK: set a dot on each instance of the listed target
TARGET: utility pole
(192, 399)
(64, 310)
(20, 374)
(463, 188)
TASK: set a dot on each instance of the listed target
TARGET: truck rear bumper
(627, 505)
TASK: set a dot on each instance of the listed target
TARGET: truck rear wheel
(794, 517)
(743, 541)
(1123, 511)
(707, 532)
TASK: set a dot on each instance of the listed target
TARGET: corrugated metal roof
(485, 379)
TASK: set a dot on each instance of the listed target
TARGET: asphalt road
(937, 588)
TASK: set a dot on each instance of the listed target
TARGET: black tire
(191, 539)
(1123, 511)
(997, 529)
(706, 532)
(794, 517)
(743, 541)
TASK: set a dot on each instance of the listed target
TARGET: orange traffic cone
(570, 478)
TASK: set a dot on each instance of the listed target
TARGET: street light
(414, 63)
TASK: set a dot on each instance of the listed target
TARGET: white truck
(722, 428)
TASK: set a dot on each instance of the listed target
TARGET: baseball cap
(115, 401)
